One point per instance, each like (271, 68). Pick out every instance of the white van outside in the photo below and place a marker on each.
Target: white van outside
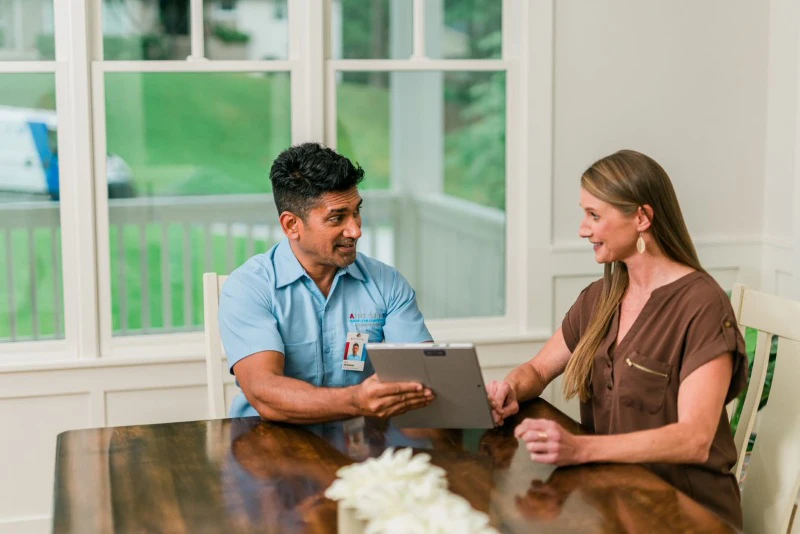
(29, 156)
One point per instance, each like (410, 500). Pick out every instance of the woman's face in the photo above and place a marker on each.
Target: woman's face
(612, 234)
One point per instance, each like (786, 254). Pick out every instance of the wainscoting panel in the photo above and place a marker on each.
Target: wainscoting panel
(725, 276)
(566, 289)
(783, 284)
(27, 450)
(156, 405)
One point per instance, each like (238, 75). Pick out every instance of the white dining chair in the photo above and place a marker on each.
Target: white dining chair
(215, 362)
(772, 478)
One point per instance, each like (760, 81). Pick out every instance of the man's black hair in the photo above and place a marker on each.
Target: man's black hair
(303, 173)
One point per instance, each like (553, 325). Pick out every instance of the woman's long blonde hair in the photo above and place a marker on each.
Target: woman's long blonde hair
(627, 180)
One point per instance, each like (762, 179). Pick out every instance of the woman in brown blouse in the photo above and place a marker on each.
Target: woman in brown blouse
(652, 349)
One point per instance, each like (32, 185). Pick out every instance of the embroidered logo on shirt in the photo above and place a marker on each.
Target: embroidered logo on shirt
(367, 318)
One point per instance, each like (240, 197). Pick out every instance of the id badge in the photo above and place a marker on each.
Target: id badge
(354, 351)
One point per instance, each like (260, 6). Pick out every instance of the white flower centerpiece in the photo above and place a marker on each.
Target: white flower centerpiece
(400, 493)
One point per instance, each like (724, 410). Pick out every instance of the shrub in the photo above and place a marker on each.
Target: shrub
(230, 35)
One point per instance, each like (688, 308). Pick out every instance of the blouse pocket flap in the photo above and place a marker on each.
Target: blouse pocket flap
(643, 383)
(648, 365)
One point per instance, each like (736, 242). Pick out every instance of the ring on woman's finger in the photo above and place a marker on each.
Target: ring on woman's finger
(541, 436)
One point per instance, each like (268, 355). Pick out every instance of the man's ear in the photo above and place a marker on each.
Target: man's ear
(291, 224)
(644, 218)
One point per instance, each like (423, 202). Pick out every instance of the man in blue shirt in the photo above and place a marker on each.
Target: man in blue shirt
(288, 317)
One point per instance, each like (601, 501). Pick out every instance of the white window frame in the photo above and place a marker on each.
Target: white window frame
(80, 72)
(76, 215)
(512, 325)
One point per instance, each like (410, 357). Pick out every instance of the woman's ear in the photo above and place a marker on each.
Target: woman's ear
(644, 218)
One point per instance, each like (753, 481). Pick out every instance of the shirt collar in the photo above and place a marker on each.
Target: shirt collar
(289, 270)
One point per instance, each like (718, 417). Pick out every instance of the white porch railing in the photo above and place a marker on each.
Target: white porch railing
(30, 273)
(452, 252)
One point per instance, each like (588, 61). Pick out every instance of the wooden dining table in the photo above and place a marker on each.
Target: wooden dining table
(249, 475)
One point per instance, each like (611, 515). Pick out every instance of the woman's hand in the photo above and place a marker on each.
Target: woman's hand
(549, 443)
(503, 399)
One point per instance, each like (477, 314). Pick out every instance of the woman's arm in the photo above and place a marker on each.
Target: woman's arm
(700, 402)
(529, 379)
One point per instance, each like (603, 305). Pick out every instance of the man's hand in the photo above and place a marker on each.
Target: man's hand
(387, 399)
(503, 399)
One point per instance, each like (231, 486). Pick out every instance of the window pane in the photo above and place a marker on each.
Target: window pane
(436, 140)
(26, 30)
(31, 296)
(146, 29)
(160, 29)
(247, 29)
(379, 29)
(383, 29)
(470, 29)
(188, 164)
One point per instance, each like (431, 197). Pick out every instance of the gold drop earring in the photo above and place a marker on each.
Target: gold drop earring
(640, 244)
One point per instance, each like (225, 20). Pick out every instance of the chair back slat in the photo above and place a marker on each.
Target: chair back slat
(212, 286)
(768, 313)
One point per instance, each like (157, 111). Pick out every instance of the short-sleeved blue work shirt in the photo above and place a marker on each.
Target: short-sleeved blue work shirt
(270, 303)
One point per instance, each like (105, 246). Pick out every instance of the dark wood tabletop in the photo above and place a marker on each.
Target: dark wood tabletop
(248, 475)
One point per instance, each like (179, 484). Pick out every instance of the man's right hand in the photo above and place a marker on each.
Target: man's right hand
(387, 399)
(503, 399)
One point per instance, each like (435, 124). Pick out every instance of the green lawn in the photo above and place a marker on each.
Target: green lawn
(180, 141)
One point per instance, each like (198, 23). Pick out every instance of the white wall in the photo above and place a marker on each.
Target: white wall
(683, 82)
(780, 262)
(686, 82)
(781, 118)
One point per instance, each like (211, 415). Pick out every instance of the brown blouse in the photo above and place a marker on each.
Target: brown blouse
(683, 325)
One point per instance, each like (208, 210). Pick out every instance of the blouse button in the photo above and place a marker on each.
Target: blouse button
(610, 385)
(727, 324)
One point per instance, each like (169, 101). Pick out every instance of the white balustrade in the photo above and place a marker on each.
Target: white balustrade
(451, 250)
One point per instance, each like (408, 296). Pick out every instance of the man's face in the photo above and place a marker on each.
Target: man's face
(329, 233)
(355, 348)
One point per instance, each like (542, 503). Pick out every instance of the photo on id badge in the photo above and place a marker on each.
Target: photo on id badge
(354, 351)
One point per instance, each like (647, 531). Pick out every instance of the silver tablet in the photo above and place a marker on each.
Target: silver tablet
(450, 370)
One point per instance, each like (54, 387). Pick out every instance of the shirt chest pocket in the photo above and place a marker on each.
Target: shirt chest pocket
(368, 323)
(643, 383)
(302, 361)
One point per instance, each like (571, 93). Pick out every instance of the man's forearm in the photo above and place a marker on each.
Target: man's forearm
(280, 398)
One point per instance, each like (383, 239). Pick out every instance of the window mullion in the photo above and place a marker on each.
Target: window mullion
(196, 29)
(307, 22)
(73, 104)
(419, 51)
